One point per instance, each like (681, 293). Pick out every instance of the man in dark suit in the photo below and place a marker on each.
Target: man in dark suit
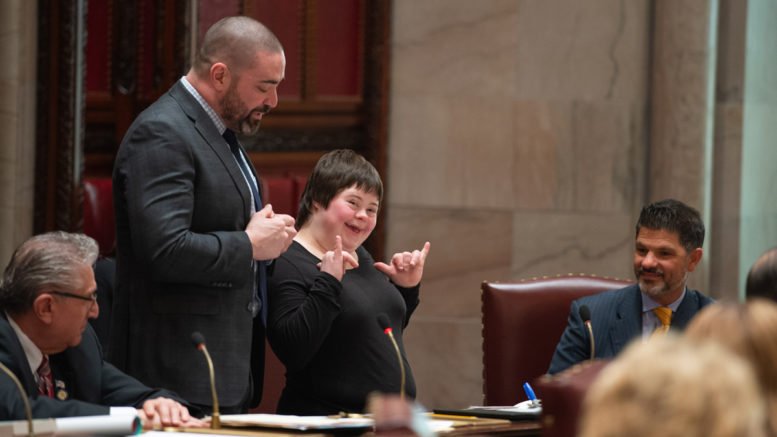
(192, 235)
(48, 292)
(668, 247)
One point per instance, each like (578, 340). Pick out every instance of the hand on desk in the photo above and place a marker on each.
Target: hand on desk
(160, 412)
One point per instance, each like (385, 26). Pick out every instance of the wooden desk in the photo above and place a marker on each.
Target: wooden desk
(463, 427)
(507, 428)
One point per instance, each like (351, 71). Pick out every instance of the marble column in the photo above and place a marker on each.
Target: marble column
(682, 108)
(18, 49)
(724, 226)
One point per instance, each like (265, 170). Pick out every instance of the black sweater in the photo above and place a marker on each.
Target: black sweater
(326, 333)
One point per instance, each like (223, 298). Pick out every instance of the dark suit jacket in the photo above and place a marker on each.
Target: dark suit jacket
(184, 262)
(90, 384)
(616, 319)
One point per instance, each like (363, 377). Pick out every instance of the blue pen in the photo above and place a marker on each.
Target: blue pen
(530, 394)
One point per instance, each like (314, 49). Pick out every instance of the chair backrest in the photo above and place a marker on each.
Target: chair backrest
(274, 381)
(99, 221)
(522, 323)
(562, 397)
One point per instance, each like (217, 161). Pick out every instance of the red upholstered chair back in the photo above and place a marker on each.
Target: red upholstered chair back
(562, 397)
(99, 221)
(283, 192)
(522, 323)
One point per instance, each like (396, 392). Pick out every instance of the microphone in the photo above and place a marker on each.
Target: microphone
(383, 321)
(199, 343)
(27, 409)
(585, 314)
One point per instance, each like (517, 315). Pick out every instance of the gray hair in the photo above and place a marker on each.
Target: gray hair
(45, 261)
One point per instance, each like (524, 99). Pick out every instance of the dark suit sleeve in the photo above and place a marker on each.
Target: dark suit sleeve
(159, 175)
(105, 385)
(120, 389)
(573, 346)
(12, 406)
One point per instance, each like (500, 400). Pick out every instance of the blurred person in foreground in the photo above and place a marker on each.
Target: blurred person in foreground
(750, 330)
(326, 294)
(47, 295)
(762, 277)
(667, 248)
(672, 387)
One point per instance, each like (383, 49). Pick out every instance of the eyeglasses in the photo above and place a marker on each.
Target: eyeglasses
(91, 298)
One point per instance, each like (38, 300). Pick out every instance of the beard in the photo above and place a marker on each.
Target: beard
(658, 286)
(233, 108)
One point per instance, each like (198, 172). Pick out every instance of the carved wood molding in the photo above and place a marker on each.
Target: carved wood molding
(58, 163)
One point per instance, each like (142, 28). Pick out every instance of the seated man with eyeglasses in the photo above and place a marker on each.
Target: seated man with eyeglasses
(47, 295)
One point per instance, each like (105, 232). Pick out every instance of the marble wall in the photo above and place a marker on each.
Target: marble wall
(518, 147)
(18, 49)
(759, 154)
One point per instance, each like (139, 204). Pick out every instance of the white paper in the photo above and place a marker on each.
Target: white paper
(294, 422)
(99, 425)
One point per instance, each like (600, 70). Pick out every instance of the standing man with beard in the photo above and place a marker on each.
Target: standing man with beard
(193, 237)
(668, 246)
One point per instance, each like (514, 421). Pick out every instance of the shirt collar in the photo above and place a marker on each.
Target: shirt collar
(31, 351)
(648, 304)
(208, 109)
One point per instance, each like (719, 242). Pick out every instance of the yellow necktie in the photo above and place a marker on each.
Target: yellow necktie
(664, 314)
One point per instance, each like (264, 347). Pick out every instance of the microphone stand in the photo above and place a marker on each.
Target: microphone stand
(390, 334)
(215, 417)
(27, 409)
(591, 339)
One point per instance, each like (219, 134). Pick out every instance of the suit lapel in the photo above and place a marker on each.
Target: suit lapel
(63, 376)
(207, 130)
(22, 367)
(687, 309)
(628, 319)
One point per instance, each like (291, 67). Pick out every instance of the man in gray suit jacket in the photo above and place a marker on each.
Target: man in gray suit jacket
(192, 235)
(669, 238)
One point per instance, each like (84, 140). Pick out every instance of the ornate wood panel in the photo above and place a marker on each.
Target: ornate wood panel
(58, 159)
(334, 95)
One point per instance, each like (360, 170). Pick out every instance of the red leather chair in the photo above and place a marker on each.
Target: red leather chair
(279, 191)
(99, 219)
(562, 397)
(274, 381)
(522, 323)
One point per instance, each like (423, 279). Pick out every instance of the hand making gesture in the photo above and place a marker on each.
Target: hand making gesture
(406, 268)
(336, 262)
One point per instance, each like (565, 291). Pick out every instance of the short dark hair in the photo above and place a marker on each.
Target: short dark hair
(234, 41)
(762, 277)
(674, 216)
(333, 173)
(44, 261)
